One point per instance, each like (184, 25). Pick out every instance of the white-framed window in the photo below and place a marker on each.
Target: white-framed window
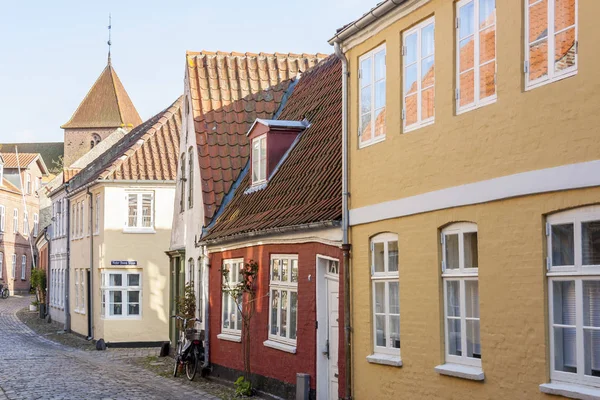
(574, 295)
(16, 220)
(121, 294)
(28, 182)
(386, 294)
(25, 223)
(550, 41)
(190, 178)
(182, 182)
(77, 289)
(1, 174)
(82, 219)
(475, 54)
(283, 296)
(97, 216)
(460, 269)
(190, 274)
(14, 266)
(36, 225)
(372, 96)
(38, 183)
(65, 210)
(418, 49)
(259, 159)
(73, 220)
(140, 211)
(1, 265)
(2, 218)
(231, 317)
(23, 267)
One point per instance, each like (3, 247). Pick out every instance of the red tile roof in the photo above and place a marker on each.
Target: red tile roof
(228, 92)
(148, 152)
(10, 159)
(107, 105)
(307, 187)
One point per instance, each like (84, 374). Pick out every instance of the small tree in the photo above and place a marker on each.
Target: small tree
(186, 304)
(38, 281)
(243, 294)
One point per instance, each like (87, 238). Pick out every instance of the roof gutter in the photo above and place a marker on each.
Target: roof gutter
(376, 13)
(122, 181)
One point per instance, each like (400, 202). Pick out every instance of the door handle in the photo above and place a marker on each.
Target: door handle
(335, 375)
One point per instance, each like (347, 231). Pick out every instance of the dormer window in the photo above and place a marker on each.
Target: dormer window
(259, 159)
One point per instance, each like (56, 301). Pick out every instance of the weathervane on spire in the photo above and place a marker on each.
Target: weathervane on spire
(109, 42)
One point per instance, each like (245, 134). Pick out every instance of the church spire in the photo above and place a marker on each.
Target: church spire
(109, 42)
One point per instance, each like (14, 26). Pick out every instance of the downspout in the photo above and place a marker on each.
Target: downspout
(206, 283)
(48, 269)
(345, 218)
(68, 267)
(91, 280)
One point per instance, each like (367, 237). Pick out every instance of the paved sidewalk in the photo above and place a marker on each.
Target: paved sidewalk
(33, 367)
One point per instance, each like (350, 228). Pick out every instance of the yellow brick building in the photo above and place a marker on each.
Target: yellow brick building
(474, 201)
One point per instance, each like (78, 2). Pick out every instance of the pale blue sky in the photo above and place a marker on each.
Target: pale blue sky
(51, 52)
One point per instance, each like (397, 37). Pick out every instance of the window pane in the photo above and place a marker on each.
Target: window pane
(411, 49)
(487, 13)
(470, 248)
(237, 313)
(116, 307)
(487, 45)
(427, 41)
(591, 303)
(410, 79)
(393, 256)
(275, 272)
(452, 251)
(263, 158)
(283, 325)
(564, 50)
(380, 330)
(467, 23)
(473, 339)
(274, 310)
(380, 65)
(255, 161)
(466, 54)
(294, 270)
(380, 297)
(365, 100)
(116, 280)
(453, 298)
(411, 109)
(132, 221)
(427, 72)
(365, 127)
(379, 95)
(293, 314)
(134, 303)
(538, 21)
(563, 245)
(395, 331)
(564, 302)
(379, 257)
(565, 352)
(590, 242)
(394, 305)
(133, 280)
(225, 310)
(564, 14)
(366, 72)
(133, 296)
(538, 60)
(284, 270)
(472, 298)
(454, 338)
(147, 210)
(591, 351)
(467, 89)
(487, 80)
(380, 122)
(427, 103)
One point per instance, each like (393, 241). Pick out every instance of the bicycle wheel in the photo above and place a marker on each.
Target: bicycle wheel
(192, 365)
(177, 359)
(5, 293)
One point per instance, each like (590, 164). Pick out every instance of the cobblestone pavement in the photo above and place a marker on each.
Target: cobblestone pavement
(32, 367)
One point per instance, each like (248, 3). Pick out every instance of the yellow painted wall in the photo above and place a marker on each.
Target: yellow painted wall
(513, 301)
(551, 125)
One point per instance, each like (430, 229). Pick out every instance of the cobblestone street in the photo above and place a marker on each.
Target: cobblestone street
(32, 367)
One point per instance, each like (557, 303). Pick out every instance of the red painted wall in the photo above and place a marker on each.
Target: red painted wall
(266, 361)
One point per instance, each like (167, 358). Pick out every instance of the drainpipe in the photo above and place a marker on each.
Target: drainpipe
(206, 283)
(48, 268)
(345, 217)
(67, 289)
(91, 280)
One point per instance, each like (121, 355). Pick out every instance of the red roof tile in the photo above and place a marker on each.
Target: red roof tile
(10, 159)
(307, 186)
(228, 92)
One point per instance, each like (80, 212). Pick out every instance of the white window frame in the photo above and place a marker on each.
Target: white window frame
(36, 225)
(82, 219)
(281, 286)
(1, 174)
(28, 182)
(97, 216)
(420, 121)
(25, 223)
(1, 264)
(371, 55)
(124, 289)
(23, 267)
(461, 275)
(262, 158)
(76, 308)
(190, 196)
(552, 76)
(14, 267)
(385, 277)
(2, 218)
(16, 220)
(138, 228)
(477, 101)
(233, 266)
(577, 273)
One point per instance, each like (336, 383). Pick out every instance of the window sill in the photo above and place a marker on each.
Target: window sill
(138, 230)
(571, 391)
(418, 126)
(461, 371)
(280, 346)
(229, 337)
(385, 359)
(362, 145)
(482, 103)
(551, 80)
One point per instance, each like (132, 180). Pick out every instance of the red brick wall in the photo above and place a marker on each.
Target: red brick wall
(266, 361)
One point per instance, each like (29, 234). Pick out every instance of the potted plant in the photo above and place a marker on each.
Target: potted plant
(34, 305)
(38, 281)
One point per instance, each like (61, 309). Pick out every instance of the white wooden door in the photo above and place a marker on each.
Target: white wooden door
(333, 335)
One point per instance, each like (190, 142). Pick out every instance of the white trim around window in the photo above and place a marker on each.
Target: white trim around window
(231, 317)
(259, 160)
(1, 265)
(283, 300)
(14, 267)
(386, 296)
(372, 101)
(545, 40)
(139, 216)
(97, 215)
(16, 220)
(36, 225)
(23, 267)
(2, 218)
(573, 264)
(121, 294)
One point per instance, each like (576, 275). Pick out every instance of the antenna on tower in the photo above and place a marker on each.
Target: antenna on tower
(109, 42)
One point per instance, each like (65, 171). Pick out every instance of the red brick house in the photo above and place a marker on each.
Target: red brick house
(284, 212)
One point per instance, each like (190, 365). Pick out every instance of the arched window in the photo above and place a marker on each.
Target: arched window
(460, 270)
(95, 140)
(386, 299)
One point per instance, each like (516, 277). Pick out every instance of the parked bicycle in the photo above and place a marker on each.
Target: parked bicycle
(190, 352)
(4, 291)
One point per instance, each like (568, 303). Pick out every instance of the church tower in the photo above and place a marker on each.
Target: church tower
(106, 107)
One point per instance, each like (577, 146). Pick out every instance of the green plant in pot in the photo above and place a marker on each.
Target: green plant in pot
(38, 282)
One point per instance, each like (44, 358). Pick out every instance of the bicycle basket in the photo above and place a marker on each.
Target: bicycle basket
(192, 334)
